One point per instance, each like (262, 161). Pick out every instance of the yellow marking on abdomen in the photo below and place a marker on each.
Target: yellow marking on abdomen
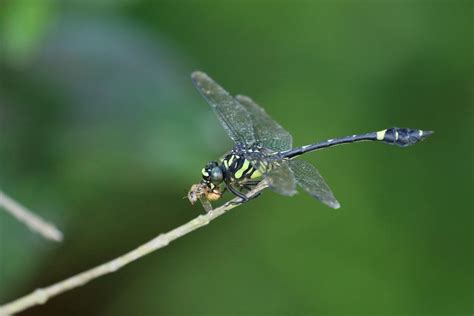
(381, 134)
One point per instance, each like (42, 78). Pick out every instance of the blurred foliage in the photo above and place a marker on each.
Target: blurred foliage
(24, 22)
(102, 133)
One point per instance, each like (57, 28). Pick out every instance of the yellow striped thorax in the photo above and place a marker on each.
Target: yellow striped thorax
(239, 168)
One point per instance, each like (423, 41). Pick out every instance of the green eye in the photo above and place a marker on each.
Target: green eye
(216, 175)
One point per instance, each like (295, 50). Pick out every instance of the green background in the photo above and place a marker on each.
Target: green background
(102, 133)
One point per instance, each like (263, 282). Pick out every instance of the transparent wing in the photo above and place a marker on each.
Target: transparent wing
(267, 130)
(206, 204)
(233, 116)
(308, 177)
(281, 179)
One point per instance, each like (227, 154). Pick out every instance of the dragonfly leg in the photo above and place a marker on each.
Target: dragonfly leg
(253, 182)
(243, 198)
(248, 187)
(237, 193)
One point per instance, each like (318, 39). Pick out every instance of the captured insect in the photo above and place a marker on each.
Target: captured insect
(263, 150)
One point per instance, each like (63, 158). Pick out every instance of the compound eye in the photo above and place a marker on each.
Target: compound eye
(216, 175)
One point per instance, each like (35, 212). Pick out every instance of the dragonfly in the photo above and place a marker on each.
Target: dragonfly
(263, 150)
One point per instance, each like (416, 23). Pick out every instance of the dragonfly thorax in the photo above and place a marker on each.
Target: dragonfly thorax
(238, 168)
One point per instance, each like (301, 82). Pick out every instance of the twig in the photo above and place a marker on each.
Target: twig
(34, 222)
(40, 296)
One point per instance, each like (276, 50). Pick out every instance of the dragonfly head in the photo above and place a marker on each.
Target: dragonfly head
(212, 174)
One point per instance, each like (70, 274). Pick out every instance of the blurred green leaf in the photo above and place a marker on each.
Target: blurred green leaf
(23, 28)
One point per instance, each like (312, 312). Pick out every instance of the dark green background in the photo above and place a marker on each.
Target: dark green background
(102, 133)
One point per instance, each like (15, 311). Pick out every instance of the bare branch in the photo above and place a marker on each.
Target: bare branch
(42, 295)
(34, 222)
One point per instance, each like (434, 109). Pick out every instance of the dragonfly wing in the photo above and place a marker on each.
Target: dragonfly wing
(233, 116)
(271, 134)
(281, 179)
(206, 204)
(309, 178)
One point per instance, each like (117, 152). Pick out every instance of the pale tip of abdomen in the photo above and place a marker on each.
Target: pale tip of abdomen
(425, 134)
(334, 204)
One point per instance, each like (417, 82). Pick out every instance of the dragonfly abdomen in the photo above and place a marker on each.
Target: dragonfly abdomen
(402, 137)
